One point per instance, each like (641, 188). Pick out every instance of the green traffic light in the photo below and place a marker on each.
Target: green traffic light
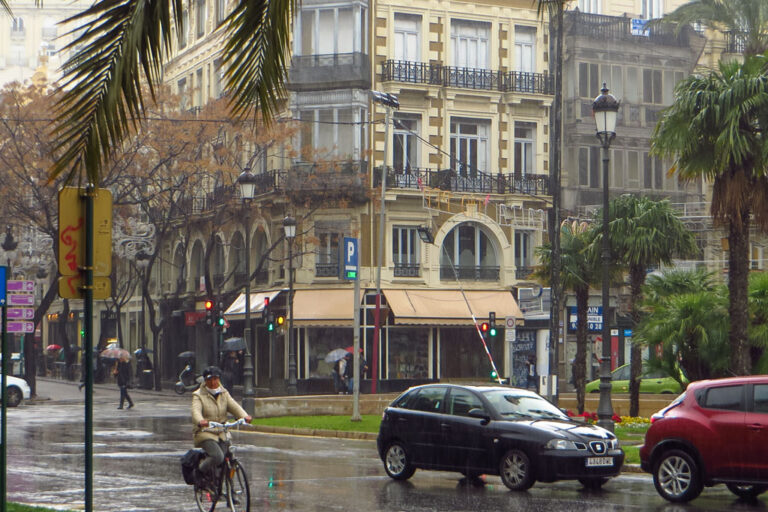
(271, 327)
(221, 321)
(493, 331)
(494, 375)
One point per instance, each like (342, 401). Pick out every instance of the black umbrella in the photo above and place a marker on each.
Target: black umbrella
(141, 351)
(186, 355)
(233, 345)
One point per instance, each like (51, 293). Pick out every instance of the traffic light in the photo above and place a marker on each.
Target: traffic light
(221, 321)
(492, 324)
(494, 375)
(280, 320)
(209, 312)
(266, 302)
(270, 322)
(484, 328)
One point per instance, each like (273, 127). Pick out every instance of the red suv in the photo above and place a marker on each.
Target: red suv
(716, 432)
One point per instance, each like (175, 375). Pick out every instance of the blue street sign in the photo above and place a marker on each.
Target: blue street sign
(3, 284)
(350, 258)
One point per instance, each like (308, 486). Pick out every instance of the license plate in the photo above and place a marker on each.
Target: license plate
(599, 461)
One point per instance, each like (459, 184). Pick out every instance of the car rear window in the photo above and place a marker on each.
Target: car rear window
(760, 395)
(730, 398)
(427, 399)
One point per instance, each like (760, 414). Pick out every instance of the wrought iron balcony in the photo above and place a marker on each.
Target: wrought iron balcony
(479, 182)
(326, 270)
(469, 272)
(336, 71)
(606, 28)
(407, 270)
(467, 78)
(347, 179)
(523, 272)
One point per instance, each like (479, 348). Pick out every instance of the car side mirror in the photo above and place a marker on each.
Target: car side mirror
(480, 414)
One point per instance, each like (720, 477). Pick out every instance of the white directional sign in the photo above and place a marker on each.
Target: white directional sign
(21, 286)
(18, 299)
(21, 313)
(25, 327)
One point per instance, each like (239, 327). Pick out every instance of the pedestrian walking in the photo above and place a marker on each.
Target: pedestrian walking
(123, 373)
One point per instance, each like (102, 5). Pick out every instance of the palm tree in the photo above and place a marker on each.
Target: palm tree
(715, 129)
(644, 233)
(125, 44)
(687, 319)
(578, 269)
(747, 19)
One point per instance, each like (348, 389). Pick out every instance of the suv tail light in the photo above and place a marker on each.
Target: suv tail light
(658, 415)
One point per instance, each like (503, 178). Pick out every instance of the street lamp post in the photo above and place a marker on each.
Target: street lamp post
(9, 246)
(289, 224)
(390, 102)
(605, 109)
(247, 183)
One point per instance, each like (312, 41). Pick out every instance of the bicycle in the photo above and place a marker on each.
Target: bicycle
(229, 481)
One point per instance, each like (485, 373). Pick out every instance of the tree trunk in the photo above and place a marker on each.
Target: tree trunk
(636, 280)
(738, 275)
(580, 361)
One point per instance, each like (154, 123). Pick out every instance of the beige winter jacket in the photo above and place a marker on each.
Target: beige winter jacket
(213, 408)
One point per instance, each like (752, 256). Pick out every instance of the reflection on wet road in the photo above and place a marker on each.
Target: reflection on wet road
(136, 460)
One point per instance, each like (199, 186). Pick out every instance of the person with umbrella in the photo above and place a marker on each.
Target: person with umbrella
(123, 372)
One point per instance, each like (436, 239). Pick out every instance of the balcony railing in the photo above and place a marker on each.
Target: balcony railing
(336, 70)
(470, 272)
(348, 178)
(479, 182)
(326, 270)
(467, 78)
(598, 26)
(523, 272)
(407, 269)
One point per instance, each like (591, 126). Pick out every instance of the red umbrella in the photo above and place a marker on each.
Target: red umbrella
(52, 348)
(352, 349)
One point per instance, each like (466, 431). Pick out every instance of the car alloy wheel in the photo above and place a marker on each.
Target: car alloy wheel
(516, 471)
(396, 462)
(676, 477)
(14, 396)
(747, 491)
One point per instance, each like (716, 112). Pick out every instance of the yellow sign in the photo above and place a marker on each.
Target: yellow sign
(71, 287)
(72, 232)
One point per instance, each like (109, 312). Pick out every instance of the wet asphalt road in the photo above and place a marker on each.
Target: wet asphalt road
(136, 461)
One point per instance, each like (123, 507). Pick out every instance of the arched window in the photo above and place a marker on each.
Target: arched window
(179, 269)
(468, 253)
(197, 266)
(218, 262)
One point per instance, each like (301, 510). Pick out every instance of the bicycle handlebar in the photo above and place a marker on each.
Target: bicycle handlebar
(212, 425)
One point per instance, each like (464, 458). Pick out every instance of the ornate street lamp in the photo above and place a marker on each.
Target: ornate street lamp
(605, 109)
(289, 224)
(247, 183)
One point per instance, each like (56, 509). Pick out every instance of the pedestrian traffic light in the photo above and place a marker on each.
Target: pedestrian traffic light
(266, 302)
(492, 324)
(270, 321)
(209, 312)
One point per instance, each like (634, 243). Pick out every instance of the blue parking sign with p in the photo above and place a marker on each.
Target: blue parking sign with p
(350, 258)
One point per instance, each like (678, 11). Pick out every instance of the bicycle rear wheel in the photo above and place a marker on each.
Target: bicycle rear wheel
(205, 499)
(238, 493)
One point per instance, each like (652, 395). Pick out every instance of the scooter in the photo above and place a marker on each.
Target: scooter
(187, 381)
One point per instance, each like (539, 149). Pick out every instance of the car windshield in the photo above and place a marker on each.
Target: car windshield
(517, 404)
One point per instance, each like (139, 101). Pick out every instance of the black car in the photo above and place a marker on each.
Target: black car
(503, 431)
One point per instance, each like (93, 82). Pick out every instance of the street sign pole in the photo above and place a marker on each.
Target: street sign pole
(4, 366)
(90, 193)
(351, 271)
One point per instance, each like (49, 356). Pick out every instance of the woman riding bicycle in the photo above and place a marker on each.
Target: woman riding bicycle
(211, 402)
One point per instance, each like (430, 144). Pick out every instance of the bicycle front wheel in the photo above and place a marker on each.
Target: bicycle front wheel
(238, 494)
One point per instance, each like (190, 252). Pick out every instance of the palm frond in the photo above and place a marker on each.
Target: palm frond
(124, 43)
(255, 55)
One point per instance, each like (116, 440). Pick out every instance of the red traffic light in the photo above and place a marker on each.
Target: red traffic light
(484, 327)
(266, 301)
(208, 305)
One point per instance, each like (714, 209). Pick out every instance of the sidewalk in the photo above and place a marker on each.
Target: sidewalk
(63, 391)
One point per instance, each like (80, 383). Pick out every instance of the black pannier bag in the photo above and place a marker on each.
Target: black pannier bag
(189, 462)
